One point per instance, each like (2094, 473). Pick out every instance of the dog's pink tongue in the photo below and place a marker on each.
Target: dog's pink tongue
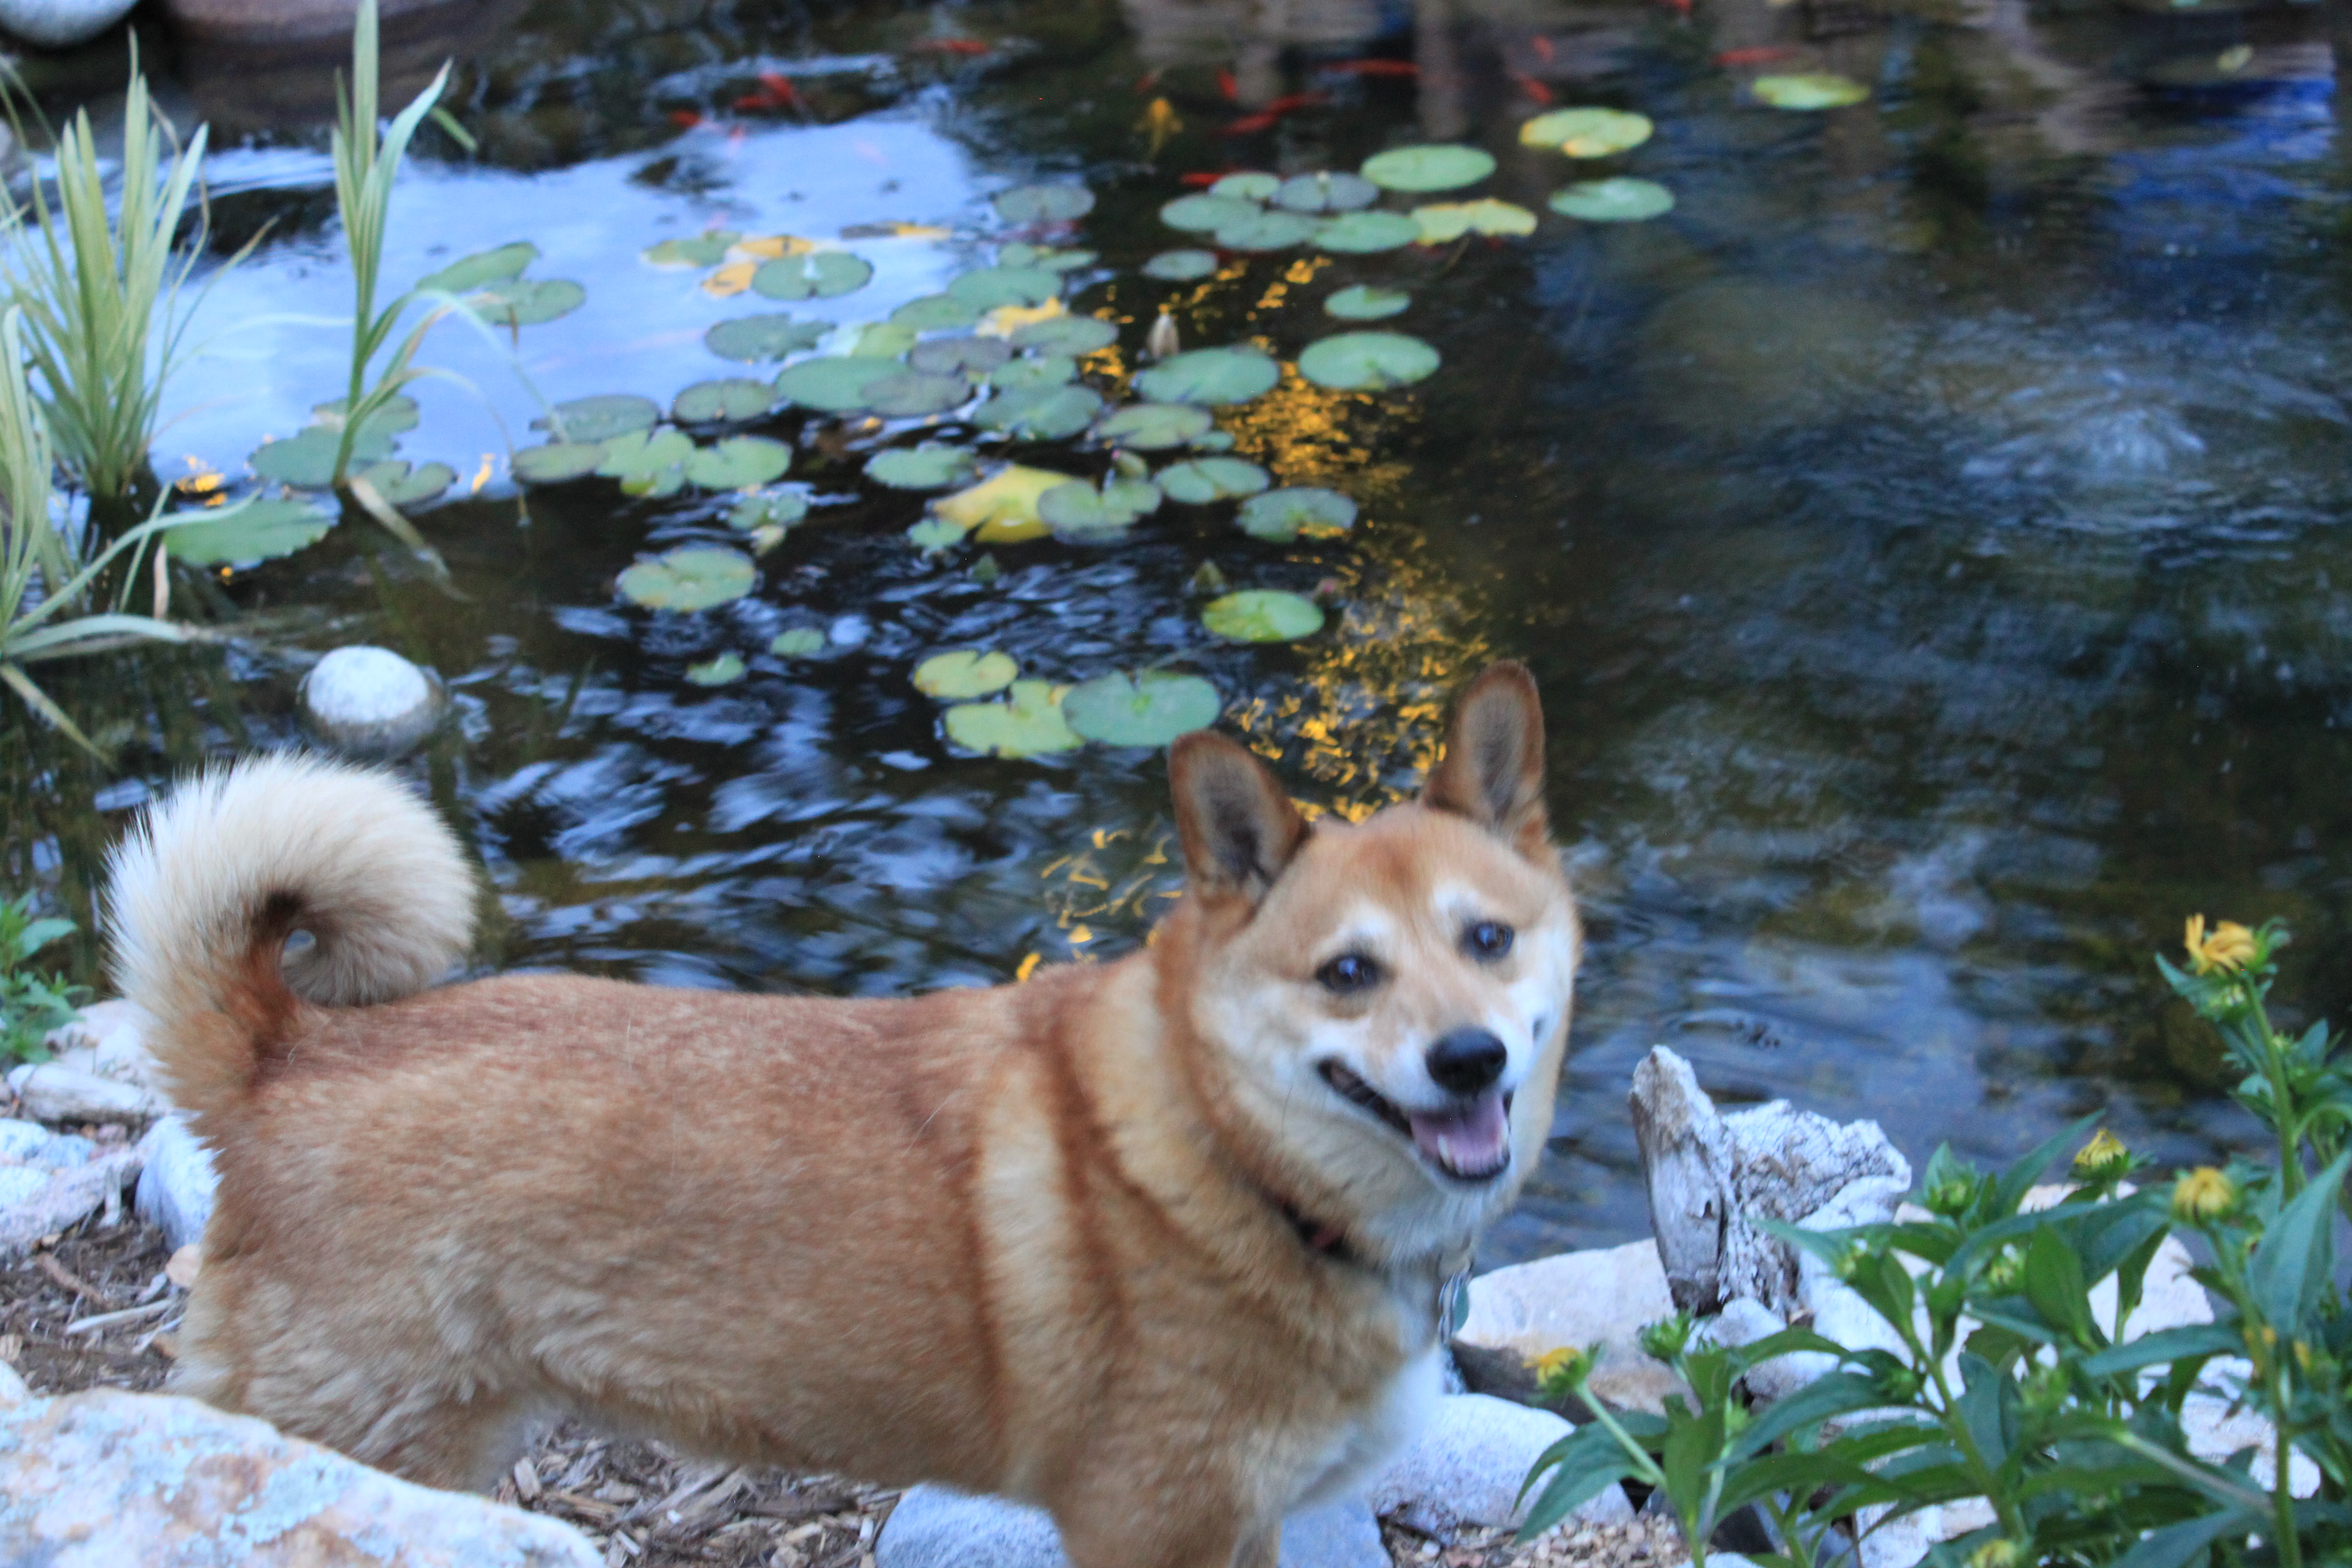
(1472, 1141)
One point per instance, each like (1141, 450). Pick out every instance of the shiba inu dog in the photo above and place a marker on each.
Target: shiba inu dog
(1156, 1244)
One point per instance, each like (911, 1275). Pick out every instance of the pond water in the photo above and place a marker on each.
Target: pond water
(1925, 534)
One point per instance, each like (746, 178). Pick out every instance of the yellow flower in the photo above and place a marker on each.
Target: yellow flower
(2229, 948)
(2104, 1155)
(2203, 1194)
(1559, 1372)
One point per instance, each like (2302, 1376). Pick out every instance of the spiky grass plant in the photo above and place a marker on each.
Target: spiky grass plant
(41, 581)
(367, 161)
(101, 295)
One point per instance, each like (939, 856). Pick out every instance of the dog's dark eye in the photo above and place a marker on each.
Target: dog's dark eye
(1348, 974)
(1488, 941)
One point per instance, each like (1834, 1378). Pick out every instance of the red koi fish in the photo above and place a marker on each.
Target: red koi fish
(1755, 57)
(950, 46)
(1227, 86)
(1531, 85)
(685, 119)
(775, 93)
(1369, 67)
(1201, 178)
(1542, 46)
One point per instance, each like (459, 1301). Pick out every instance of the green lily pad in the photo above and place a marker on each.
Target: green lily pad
(1428, 168)
(925, 468)
(935, 534)
(882, 340)
(1028, 723)
(1044, 370)
(837, 383)
(1587, 132)
(1443, 221)
(1043, 204)
(964, 674)
(693, 577)
(1280, 516)
(502, 265)
(775, 335)
(1262, 614)
(1247, 188)
(815, 275)
(601, 417)
(1072, 335)
(732, 397)
(1181, 266)
(1325, 194)
(1820, 90)
(1210, 376)
(528, 301)
(1367, 361)
(1045, 256)
(1200, 480)
(1214, 441)
(1200, 215)
(558, 461)
(798, 643)
(1264, 231)
(910, 394)
(703, 250)
(257, 530)
(1040, 412)
(395, 415)
(777, 508)
(991, 287)
(307, 460)
(1621, 200)
(1079, 511)
(647, 462)
(738, 462)
(1365, 302)
(402, 486)
(1155, 426)
(951, 356)
(936, 314)
(1361, 234)
(724, 670)
(1149, 709)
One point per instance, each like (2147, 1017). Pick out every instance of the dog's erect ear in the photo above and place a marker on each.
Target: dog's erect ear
(1494, 767)
(1238, 827)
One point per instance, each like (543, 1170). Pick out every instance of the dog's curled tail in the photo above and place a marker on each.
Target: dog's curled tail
(205, 891)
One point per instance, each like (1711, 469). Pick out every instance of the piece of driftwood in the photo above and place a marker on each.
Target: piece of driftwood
(1712, 1177)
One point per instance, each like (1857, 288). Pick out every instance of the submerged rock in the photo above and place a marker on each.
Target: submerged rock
(60, 23)
(370, 702)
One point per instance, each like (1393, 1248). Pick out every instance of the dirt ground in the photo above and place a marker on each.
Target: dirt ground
(93, 1307)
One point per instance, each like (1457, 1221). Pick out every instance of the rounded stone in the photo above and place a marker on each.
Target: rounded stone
(370, 702)
(60, 23)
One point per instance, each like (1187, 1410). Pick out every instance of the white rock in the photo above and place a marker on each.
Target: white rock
(64, 1195)
(1467, 1466)
(53, 1091)
(369, 700)
(21, 1140)
(13, 1391)
(60, 23)
(21, 1184)
(175, 1188)
(933, 1527)
(2215, 1434)
(1602, 1296)
(105, 1478)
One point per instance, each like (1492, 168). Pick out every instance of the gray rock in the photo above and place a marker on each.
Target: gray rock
(1712, 1177)
(370, 702)
(1603, 1297)
(175, 1188)
(60, 23)
(104, 1479)
(65, 1194)
(54, 1091)
(935, 1528)
(21, 1140)
(1467, 1465)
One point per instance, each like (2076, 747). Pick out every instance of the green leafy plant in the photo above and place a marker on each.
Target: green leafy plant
(32, 1005)
(101, 295)
(42, 580)
(1999, 1383)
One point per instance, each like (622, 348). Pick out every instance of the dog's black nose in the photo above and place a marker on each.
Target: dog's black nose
(1467, 1060)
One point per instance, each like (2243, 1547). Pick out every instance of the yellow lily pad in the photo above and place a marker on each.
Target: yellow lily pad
(965, 673)
(1002, 508)
(1442, 221)
(1588, 133)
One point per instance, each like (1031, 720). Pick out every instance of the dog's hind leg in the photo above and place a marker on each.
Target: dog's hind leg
(458, 1443)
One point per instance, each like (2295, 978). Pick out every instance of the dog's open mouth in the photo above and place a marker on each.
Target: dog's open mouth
(1470, 1141)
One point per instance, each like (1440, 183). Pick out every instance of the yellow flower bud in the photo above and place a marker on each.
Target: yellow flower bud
(1997, 1554)
(1562, 1370)
(2103, 1156)
(2229, 948)
(2203, 1194)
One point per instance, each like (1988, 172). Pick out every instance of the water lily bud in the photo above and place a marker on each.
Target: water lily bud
(1664, 1339)
(1562, 1371)
(2203, 1195)
(2104, 1158)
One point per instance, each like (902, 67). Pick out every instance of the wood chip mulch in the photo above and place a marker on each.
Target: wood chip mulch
(91, 1307)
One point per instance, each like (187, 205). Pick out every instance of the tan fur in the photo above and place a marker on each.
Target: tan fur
(1061, 1241)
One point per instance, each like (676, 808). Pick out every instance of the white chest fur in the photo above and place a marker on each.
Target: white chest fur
(1359, 1450)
